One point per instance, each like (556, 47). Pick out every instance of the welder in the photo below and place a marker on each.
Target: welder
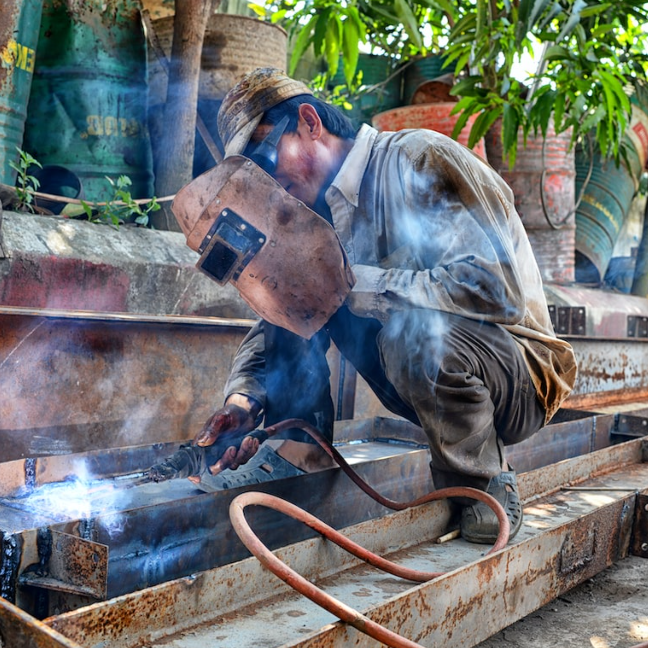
(444, 316)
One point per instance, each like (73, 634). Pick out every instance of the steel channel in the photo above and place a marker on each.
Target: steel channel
(459, 609)
(20, 630)
(172, 530)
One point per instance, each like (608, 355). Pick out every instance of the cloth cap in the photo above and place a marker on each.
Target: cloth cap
(243, 106)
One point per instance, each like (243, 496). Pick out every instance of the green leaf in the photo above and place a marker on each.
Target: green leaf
(301, 44)
(460, 124)
(354, 14)
(259, 10)
(573, 19)
(510, 126)
(594, 10)
(350, 50)
(542, 110)
(444, 6)
(556, 53)
(332, 44)
(466, 87)
(408, 20)
(278, 16)
(87, 209)
(482, 125)
(320, 31)
(617, 88)
(593, 119)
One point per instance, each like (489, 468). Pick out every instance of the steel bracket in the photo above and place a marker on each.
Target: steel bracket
(69, 564)
(637, 326)
(639, 542)
(568, 320)
(629, 427)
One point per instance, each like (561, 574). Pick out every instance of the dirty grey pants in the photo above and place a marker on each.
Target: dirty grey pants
(463, 381)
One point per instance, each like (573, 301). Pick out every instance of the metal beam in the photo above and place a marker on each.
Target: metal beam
(576, 524)
(20, 630)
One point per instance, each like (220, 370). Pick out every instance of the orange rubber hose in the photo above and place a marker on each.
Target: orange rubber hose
(308, 589)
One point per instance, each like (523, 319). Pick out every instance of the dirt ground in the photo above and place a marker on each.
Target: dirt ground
(607, 611)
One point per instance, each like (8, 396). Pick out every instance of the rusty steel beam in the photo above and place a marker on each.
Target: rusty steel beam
(20, 630)
(69, 564)
(74, 382)
(171, 530)
(639, 545)
(578, 520)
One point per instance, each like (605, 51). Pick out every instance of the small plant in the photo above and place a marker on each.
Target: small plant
(26, 184)
(121, 206)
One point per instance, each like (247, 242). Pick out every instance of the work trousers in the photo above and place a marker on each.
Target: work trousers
(463, 381)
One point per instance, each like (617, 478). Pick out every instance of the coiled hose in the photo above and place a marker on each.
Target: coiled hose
(308, 589)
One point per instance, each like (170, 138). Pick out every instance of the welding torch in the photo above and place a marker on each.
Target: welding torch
(192, 460)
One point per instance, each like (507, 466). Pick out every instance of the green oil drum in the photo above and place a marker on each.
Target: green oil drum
(19, 25)
(87, 110)
(381, 83)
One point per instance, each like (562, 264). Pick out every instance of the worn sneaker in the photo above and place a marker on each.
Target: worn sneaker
(479, 522)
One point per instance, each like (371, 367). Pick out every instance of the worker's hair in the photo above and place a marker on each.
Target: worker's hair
(333, 119)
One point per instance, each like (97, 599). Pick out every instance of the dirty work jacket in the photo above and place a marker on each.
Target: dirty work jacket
(426, 223)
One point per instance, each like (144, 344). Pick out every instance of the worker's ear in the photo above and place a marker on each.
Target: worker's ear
(311, 121)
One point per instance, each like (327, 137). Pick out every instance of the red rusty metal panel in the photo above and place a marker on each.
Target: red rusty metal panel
(20, 630)
(76, 384)
(471, 604)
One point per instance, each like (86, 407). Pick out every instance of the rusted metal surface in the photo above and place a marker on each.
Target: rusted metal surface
(69, 564)
(76, 384)
(20, 630)
(158, 532)
(610, 372)
(640, 529)
(567, 538)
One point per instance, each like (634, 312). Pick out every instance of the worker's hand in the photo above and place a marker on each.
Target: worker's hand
(238, 416)
(228, 419)
(233, 458)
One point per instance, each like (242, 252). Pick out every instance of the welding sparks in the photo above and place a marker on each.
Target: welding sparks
(82, 497)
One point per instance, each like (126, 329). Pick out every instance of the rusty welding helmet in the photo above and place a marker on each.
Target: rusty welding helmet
(285, 260)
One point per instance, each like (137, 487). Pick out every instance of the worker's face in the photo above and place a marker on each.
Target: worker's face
(301, 168)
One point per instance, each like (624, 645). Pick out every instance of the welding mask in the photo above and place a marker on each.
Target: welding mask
(285, 260)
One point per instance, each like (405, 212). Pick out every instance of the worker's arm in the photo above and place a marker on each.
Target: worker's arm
(245, 396)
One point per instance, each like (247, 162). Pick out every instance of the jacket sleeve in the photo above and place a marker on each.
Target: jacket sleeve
(248, 372)
(443, 226)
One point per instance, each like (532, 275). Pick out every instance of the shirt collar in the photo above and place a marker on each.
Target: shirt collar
(349, 177)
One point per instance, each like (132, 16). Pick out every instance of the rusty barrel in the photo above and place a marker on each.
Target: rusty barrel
(433, 116)
(19, 25)
(87, 110)
(542, 181)
(420, 70)
(233, 46)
